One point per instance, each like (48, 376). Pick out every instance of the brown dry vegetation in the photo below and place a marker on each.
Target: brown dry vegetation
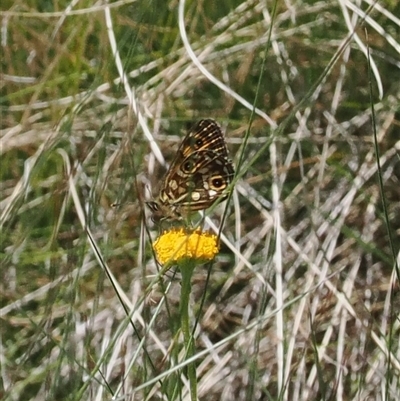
(302, 302)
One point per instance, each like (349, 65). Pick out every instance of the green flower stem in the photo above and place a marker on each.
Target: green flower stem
(187, 268)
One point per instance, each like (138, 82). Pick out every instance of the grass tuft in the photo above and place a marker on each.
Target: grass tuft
(302, 301)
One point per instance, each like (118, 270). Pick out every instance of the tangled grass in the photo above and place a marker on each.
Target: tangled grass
(302, 301)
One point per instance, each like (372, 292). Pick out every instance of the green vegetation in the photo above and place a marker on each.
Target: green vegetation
(303, 300)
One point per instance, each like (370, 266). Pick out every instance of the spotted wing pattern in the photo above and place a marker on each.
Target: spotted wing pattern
(199, 174)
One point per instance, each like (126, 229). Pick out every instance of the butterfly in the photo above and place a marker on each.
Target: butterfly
(199, 174)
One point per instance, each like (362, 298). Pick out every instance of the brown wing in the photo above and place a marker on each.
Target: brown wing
(199, 173)
(205, 135)
(198, 182)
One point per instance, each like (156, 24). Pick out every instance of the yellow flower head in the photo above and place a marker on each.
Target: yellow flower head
(178, 244)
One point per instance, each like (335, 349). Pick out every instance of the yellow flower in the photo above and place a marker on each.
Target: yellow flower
(178, 244)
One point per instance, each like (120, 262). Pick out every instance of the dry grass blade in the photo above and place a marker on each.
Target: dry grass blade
(302, 301)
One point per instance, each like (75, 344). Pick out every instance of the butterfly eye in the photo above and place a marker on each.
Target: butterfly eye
(187, 167)
(199, 143)
(218, 182)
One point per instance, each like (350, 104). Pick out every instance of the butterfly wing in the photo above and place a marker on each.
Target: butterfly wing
(199, 173)
(205, 135)
(199, 181)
